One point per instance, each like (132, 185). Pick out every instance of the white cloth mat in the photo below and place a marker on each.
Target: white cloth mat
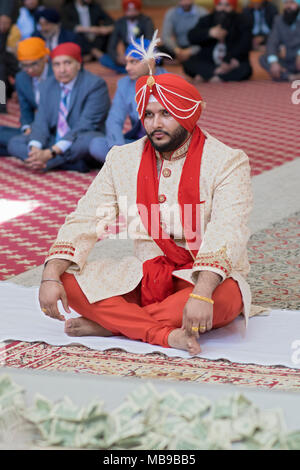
(268, 340)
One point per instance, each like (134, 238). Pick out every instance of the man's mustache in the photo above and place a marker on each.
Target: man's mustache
(159, 132)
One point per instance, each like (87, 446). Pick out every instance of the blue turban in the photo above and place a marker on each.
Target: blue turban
(50, 14)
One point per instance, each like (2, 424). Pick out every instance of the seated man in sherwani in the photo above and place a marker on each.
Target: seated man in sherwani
(73, 107)
(186, 197)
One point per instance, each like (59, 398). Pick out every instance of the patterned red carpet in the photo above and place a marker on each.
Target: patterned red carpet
(40, 356)
(256, 116)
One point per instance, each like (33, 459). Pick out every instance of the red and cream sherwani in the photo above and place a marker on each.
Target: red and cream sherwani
(112, 285)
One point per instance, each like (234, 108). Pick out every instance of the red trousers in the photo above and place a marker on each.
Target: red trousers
(123, 315)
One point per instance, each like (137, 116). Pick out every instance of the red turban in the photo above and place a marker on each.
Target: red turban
(233, 3)
(67, 48)
(174, 93)
(136, 3)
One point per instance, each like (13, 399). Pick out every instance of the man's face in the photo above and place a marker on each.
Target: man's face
(65, 68)
(224, 5)
(186, 4)
(290, 12)
(136, 68)
(256, 4)
(47, 29)
(34, 68)
(131, 12)
(5, 23)
(31, 4)
(165, 133)
(290, 5)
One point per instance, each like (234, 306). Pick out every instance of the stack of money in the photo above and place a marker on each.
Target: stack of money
(148, 420)
(15, 431)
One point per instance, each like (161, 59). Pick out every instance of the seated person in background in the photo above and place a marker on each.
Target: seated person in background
(285, 34)
(260, 14)
(9, 11)
(73, 107)
(33, 58)
(50, 29)
(91, 23)
(177, 23)
(124, 105)
(132, 25)
(225, 40)
(27, 21)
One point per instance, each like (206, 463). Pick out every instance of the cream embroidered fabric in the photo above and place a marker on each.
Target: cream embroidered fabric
(225, 188)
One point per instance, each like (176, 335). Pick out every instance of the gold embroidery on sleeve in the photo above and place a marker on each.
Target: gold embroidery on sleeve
(215, 259)
(60, 248)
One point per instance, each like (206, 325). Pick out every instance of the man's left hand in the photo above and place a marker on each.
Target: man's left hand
(183, 54)
(38, 158)
(226, 67)
(197, 314)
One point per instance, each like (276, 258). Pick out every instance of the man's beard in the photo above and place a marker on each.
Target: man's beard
(290, 16)
(177, 139)
(223, 18)
(187, 8)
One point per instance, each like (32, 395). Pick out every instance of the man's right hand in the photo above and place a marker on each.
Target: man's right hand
(217, 32)
(27, 131)
(276, 70)
(50, 293)
(53, 291)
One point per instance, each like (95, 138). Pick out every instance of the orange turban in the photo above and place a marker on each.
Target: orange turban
(174, 93)
(70, 49)
(136, 3)
(32, 49)
(233, 3)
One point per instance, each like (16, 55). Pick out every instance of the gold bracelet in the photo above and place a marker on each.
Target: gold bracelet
(52, 280)
(199, 297)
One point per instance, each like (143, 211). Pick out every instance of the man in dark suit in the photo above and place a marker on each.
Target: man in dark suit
(92, 24)
(225, 40)
(260, 14)
(49, 23)
(8, 14)
(73, 107)
(132, 24)
(33, 58)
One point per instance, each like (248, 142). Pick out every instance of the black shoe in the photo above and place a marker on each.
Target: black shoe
(3, 109)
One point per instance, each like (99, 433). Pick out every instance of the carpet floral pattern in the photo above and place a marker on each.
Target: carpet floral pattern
(79, 359)
(274, 254)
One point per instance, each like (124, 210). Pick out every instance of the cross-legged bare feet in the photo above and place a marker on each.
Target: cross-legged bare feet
(84, 327)
(180, 340)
